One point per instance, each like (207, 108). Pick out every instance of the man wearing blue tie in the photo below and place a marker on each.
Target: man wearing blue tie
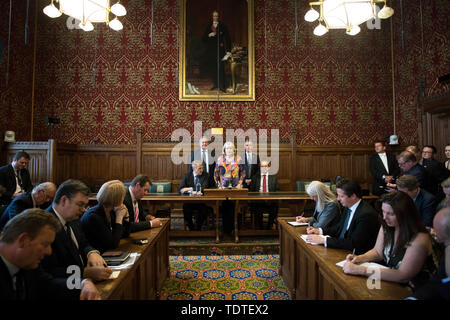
(358, 227)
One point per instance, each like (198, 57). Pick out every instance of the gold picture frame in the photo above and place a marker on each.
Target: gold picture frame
(217, 63)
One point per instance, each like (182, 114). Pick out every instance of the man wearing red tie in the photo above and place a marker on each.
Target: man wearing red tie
(264, 183)
(139, 219)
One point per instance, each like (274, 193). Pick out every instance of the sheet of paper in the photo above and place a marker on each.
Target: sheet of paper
(303, 236)
(296, 224)
(114, 275)
(365, 264)
(127, 263)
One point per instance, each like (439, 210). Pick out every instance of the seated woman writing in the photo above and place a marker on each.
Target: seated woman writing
(107, 222)
(326, 211)
(403, 244)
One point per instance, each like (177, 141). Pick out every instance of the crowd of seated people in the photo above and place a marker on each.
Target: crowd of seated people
(58, 229)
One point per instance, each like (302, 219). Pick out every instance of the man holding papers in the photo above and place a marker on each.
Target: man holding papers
(358, 226)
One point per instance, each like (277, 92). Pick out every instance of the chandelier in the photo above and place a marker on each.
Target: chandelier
(88, 12)
(345, 14)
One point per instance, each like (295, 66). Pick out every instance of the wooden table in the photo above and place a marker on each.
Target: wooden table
(310, 271)
(143, 280)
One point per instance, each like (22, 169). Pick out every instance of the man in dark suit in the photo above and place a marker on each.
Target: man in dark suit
(206, 157)
(15, 177)
(71, 246)
(264, 182)
(424, 201)
(407, 162)
(438, 288)
(358, 227)
(195, 183)
(436, 171)
(40, 197)
(218, 44)
(251, 164)
(26, 239)
(139, 219)
(384, 168)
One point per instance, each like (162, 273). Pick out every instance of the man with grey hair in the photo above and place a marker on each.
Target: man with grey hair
(25, 241)
(206, 156)
(438, 288)
(195, 182)
(424, 201)
(40, 197)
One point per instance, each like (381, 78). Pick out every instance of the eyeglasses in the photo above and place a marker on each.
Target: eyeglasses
(427, 152)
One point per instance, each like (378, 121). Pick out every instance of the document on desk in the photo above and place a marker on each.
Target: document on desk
(304, 236)
(114, 275)
(297, 224)
(365, 264)
(127, 263)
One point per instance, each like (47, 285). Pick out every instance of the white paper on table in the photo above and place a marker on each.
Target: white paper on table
(127, 263)
(365, 264)
(303, 236)
(296, 224)
(114, 275)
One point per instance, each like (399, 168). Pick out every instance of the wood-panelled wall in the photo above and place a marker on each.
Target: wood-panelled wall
(95, 164)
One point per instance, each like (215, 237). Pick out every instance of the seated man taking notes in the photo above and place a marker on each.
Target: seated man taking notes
(358, 226)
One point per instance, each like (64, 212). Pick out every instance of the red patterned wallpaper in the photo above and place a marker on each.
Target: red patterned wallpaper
(15, 96)
(334, 89)
(422, 54)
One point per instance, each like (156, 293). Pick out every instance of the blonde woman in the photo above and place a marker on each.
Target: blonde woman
(107, 222)
(230, 171)
(326, 211)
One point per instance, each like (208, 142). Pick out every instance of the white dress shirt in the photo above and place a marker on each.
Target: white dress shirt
(383, 158)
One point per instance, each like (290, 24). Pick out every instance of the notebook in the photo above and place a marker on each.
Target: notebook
(114, 258)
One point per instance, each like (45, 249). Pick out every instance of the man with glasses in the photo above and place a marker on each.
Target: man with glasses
(407, 162)
(71, 246)
(40, 197)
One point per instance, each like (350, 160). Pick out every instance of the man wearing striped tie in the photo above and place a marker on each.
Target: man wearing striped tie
(264, 183)
(140, 220)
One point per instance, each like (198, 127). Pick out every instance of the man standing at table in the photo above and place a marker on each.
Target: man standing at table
(251, 163)
(139, 219)
(264, 183)
(15, 177)
(358, 227)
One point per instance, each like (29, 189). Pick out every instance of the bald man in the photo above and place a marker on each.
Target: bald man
(438, 288)
(40, 197)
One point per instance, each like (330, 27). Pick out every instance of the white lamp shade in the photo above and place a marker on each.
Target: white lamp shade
(119, 10)
(83, 10)
(312, 15)
(87, 26)
(354, 31)
(339, 14)
(385, 13)
(116, 25)
(52, 11)
(320, 30)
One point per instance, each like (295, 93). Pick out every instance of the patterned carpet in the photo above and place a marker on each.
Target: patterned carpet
(218, 277)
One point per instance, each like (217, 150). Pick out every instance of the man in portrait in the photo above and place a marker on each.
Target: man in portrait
(218, 50)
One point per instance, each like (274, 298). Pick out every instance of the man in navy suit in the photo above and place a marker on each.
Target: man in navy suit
(139, 219)
(264, 182)
(195, 183)
(206, 157)
(40, 197)
(407, 162)
(15, 177)
(358, 227)
(424, 201)
(384, 168)
(251, 164)
(71, 246)
(25, 241)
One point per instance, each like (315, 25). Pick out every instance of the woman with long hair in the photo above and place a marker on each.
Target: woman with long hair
(326, 211)
(403, 244)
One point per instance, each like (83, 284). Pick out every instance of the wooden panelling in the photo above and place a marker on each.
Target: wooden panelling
(95, 164)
